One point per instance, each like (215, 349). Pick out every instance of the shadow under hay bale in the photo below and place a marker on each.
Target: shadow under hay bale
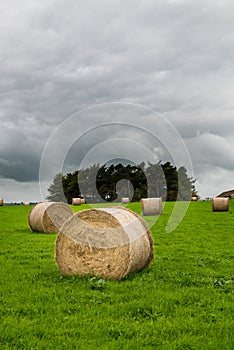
(49, 216)
(108, 242)
(220, 204)
(1, 202)
(152, 206)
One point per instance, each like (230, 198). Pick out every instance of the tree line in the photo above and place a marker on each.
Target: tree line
(110, 183)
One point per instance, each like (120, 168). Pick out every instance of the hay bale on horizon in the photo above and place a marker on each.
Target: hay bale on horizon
(152, 206)
(125, 200)
(76, 201)
(193, 199)
(108, 242)
(49, 216)
(82, 201)
(26, 203)
(1, 202)
(220, 204)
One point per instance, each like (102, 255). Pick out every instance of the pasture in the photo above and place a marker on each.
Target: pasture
(183, 300)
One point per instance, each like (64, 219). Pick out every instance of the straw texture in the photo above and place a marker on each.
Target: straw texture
(152, 206)
(125, 200)
(108, 242)
(49, 216)
(76, 201)
(220, 204)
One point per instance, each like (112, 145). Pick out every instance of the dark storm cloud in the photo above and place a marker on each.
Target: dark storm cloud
(58, 57)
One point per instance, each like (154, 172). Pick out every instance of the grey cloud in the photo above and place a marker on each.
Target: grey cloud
(211, 181)
(110, 141)
(24, 170)
(212, 154)
(21, 144)
(59, 57)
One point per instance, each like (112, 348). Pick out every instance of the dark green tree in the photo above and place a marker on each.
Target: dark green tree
(185, 189)
(55, 190)
(157, 185)
(70, 186)
(87, 183)
(109, 183)
(171, 176)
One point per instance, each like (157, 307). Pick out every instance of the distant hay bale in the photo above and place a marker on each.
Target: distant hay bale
(220, 204)
(26, 203)
(125, 200)
(152, 206)
(108, 242)
(1, 202)
(82, 201)
(49, 216)
(193, 199)
(76, 201)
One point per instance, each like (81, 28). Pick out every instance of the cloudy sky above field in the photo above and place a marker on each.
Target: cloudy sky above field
(60, 57)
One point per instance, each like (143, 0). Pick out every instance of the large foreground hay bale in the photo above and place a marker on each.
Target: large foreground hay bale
(220, 204)
(108, 242)
(1, 202)
(152, 206)
(125, 200)
(49, 216)
(76, 201)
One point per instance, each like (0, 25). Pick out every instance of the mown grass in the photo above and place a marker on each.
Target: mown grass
(184, 300)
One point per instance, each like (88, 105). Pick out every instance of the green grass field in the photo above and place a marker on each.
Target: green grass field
(184, 300)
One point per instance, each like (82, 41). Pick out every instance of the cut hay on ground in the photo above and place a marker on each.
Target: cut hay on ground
(152, 206)
(108, 242)
(76, 201)
(220, 204)
(49, 216)
(125, 200)
(1, 202)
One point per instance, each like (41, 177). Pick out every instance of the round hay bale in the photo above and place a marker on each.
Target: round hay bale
(108, 242)
(82, 201)
(193, 199)
(26, 203)
(152, 206)
(1, 202)
(220, 204)
(125, 200)
(76, 201)
(49, 216)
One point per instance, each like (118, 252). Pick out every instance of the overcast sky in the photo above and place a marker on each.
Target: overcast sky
(60, 57)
